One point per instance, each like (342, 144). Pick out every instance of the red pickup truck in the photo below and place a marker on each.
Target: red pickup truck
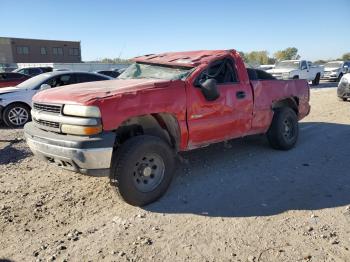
(131, 128)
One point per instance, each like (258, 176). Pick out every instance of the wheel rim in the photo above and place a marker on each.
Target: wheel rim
(288, 129)
(18, 116)
(148, 172)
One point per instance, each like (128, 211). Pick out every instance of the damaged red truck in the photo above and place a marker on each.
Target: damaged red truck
(131, 129)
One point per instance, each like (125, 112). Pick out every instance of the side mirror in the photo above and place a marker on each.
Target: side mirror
(210, 89)
(45, 86)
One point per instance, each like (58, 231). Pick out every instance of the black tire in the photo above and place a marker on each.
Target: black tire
(316, 81)
(339, 77)
(132, 159)
(278, 135)
(23, 116)
(344, 99)
(295, 77)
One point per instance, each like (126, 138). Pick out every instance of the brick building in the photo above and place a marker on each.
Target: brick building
(21, 50)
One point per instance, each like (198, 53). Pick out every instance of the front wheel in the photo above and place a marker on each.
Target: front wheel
(16, 115)
(142, 169)
(284, 130)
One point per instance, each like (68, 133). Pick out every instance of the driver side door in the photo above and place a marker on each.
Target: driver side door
(228, 116)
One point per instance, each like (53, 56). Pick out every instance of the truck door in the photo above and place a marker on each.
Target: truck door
(304, 70)
(229, 116)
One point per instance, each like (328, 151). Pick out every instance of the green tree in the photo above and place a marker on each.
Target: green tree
(258, 57)
(346, 56)
(287, 54)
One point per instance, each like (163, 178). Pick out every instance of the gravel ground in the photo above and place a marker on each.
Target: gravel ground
(235, 201)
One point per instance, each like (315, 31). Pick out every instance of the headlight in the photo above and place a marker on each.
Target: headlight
(79, 110)
(81, 130)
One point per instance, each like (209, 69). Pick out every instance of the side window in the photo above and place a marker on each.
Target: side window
(34, 71)
(222, 71)
(303, 65)
(61, 80)
(88, 78)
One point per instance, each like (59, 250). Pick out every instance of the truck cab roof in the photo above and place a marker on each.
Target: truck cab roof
(185, 59)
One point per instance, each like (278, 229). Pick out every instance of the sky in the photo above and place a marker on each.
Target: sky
(320, 29)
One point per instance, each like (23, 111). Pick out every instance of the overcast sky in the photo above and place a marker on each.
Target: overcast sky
(320, 29)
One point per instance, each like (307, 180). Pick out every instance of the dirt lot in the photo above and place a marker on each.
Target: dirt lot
(237, 201)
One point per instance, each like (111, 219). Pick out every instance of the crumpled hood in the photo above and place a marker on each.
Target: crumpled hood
(84, 93)
(7, 90)
(280, 70)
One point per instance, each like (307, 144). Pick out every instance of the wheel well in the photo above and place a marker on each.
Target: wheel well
(292, 102)
(163, 125)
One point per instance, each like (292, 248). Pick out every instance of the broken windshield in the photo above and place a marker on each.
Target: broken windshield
(140, 70)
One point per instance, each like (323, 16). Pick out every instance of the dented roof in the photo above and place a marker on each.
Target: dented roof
(186, 59)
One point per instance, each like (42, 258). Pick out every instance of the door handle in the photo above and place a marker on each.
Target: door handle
(240, 94)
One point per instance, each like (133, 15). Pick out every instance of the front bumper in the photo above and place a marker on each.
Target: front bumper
(87, 155)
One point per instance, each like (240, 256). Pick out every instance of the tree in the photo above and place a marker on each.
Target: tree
(287, 54)
(346, 56)
(258, 57)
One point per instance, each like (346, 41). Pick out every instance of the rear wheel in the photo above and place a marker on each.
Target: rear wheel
(316, 81)
(284, 130)
(16, 115)
(142, 169)
(295, 77)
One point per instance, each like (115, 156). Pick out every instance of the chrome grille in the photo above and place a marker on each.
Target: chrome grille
(56, 109)
(47, 123)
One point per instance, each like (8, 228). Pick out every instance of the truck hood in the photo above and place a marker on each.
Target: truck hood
(85, 93)
(280, 70)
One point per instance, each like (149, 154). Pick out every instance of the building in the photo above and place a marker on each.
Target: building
(20, 50)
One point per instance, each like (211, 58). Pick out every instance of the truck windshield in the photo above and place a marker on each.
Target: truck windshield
(333, 64)
(287, 64)
(139, 70)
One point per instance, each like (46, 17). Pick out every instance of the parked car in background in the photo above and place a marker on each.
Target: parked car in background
(343, 90)
(110, 73)
(16, 102)
(335, 70)
(131, 129)
(12, 79)
(31, 71)
(297, 69)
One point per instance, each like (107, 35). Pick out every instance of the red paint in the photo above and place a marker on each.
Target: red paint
(7, 81)
(200, 122)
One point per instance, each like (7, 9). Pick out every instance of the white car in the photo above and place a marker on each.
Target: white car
(334, 70)
(15, 102)
(297, 69)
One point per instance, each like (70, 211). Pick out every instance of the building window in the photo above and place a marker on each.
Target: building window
(22, 50)
(74, 51)
(43, 51)
(57, 51)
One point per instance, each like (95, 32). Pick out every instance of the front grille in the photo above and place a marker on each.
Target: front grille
(56, 109)
(47, 123)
